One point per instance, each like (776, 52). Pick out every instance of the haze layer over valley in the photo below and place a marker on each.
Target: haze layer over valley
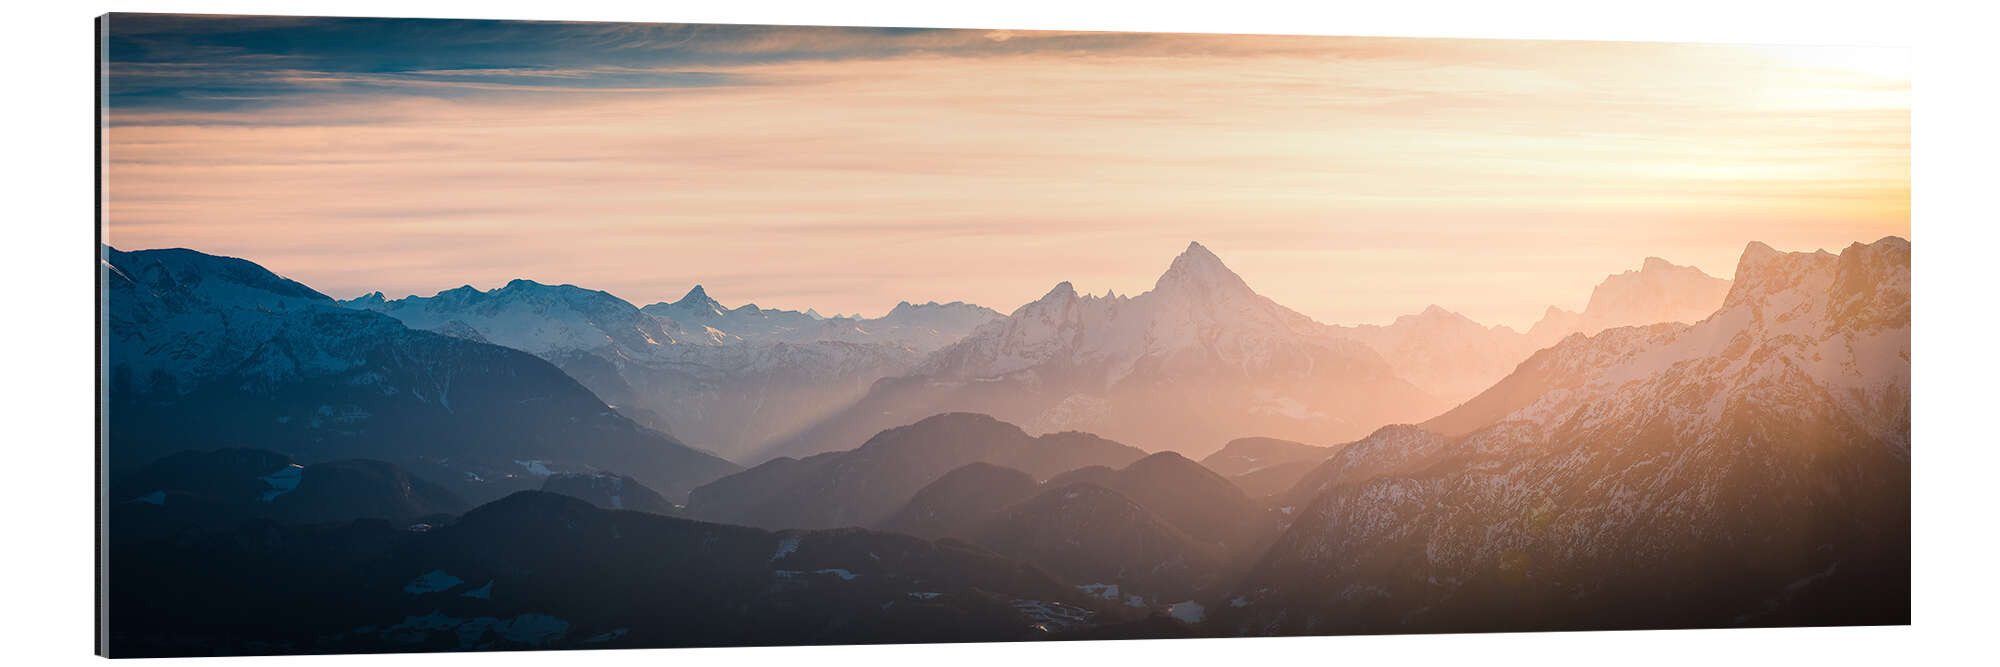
(1201, 348)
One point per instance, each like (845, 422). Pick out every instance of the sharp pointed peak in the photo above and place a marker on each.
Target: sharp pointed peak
(1197, 269)
(1197, 252)
(1657, 264)
(697, 295)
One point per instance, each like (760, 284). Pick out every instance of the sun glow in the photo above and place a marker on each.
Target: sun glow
(1311, 160)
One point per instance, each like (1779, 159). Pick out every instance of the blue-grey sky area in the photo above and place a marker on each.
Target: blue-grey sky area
(847, 169)
(221, 62)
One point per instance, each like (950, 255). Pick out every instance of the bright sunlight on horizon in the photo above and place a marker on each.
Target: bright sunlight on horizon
(847, 169)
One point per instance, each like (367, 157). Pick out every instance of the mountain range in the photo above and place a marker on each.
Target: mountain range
(1193, 362)
(1454, 358)
(730, 380)
(289, 473)
(207, 352)
(1751, 468)
(1202, 357)
(756, 383)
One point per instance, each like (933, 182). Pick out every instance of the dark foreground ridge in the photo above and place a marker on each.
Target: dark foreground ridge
(539, 570)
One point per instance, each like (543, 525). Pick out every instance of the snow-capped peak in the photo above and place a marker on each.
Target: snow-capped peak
(1197, 270)
(529, 316)
(699, 299)
(1200, 312)
(217, 278)
(375, 297)
(1118, 365)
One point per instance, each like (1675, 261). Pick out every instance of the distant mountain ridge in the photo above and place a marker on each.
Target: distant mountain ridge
(731, 379)
(1659, 291)
(921, 327)
(1197, 360)
(206, 352)
(756, 382)
(1455, 358)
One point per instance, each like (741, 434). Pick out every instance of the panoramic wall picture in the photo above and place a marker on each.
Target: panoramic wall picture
(467, 335)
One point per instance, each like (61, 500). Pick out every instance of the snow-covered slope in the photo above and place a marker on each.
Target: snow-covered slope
(205, 352)
(1798, 327)
(924, 327)
(532, 317)
(1749, 469)
(1199, 359)
(1199, 315)
(707, 320)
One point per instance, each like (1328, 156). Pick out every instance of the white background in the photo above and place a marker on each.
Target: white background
(46, 443)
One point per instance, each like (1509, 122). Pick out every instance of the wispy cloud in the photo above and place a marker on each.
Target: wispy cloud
(1356, 179)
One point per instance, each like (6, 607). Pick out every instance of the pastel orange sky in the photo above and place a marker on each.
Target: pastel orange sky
(847, 169)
